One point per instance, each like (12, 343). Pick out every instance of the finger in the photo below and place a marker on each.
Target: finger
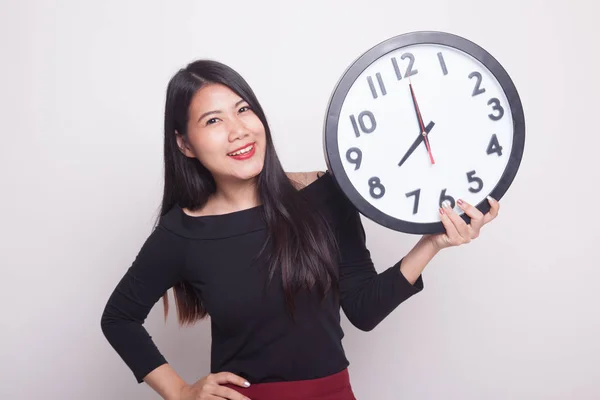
(228, 377)
(212, 397)
(216, 397)
(475, 215)
(228, 393)
(460, 225)
(452, 236)
(494, 209)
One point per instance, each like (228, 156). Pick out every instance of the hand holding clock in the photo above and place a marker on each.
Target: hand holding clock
(458, 232)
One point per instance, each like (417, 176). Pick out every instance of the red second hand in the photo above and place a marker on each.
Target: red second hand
(421, 123)
(428, 148)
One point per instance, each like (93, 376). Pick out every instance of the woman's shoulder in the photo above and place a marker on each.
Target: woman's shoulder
(321, 188)
(300, 180)
(318, 187)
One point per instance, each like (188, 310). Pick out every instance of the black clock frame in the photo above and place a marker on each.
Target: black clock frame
(330, 132)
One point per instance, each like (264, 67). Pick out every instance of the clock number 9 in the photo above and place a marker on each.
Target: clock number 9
(361, 122)
(354, 160)
(496, 107)
(444, 196)
(375, 183)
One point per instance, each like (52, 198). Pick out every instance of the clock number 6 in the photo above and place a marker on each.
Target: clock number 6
(356, 160)
(361, 121)
(444, 196)
(375, 183)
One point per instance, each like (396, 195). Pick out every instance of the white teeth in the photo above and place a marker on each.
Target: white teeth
(244, 150)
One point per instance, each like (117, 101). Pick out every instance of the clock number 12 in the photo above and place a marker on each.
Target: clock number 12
(409, 71)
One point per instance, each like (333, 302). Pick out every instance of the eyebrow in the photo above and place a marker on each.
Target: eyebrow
(219, 111)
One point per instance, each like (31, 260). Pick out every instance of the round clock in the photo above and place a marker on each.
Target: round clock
(420, 119)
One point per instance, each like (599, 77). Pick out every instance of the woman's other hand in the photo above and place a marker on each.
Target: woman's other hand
(209, 388)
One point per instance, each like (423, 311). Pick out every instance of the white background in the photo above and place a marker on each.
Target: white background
(513, 315)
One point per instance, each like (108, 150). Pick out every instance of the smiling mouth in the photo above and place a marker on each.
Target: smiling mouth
(245, 150)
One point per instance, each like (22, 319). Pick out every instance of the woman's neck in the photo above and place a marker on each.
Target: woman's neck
(234, 195)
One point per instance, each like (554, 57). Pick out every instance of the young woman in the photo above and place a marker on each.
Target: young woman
(270, 256)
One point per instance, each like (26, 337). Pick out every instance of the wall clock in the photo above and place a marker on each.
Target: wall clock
(422, 118)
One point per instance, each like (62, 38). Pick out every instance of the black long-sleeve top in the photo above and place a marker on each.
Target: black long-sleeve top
(253, 335)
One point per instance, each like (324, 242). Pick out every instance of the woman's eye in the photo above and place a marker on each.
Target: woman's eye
(209, 121)
(245, 108)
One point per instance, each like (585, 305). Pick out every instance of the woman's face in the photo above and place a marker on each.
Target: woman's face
(221, 123)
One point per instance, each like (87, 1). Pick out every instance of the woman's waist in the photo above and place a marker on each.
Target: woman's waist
(335, 386)
(280, 361)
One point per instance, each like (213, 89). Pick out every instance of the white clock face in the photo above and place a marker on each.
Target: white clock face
(470, 136)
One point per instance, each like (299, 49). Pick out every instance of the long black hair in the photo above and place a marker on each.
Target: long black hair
(301, 244)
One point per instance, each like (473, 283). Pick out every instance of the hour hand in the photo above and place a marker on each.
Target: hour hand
(416, 144)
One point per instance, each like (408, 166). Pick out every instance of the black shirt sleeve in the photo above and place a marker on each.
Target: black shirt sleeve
(366, 296)
(157, 267)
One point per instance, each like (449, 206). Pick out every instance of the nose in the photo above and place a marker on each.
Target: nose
(237, 129)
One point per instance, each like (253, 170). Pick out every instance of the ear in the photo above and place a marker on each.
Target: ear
(184, 146)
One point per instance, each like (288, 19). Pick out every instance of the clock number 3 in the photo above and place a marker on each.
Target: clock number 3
(377, 189)
(496, 107)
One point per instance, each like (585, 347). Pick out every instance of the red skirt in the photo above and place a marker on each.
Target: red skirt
(332, 387)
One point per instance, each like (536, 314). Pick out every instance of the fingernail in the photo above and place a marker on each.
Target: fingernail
(446, 204)
(246, 383)
(442, 212)
(460, 202)
(490, 199)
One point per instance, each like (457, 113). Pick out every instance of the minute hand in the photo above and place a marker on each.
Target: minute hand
(420, 119)
(416, 143)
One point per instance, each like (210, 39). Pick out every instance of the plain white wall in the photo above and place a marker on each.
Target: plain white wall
(513, 315)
